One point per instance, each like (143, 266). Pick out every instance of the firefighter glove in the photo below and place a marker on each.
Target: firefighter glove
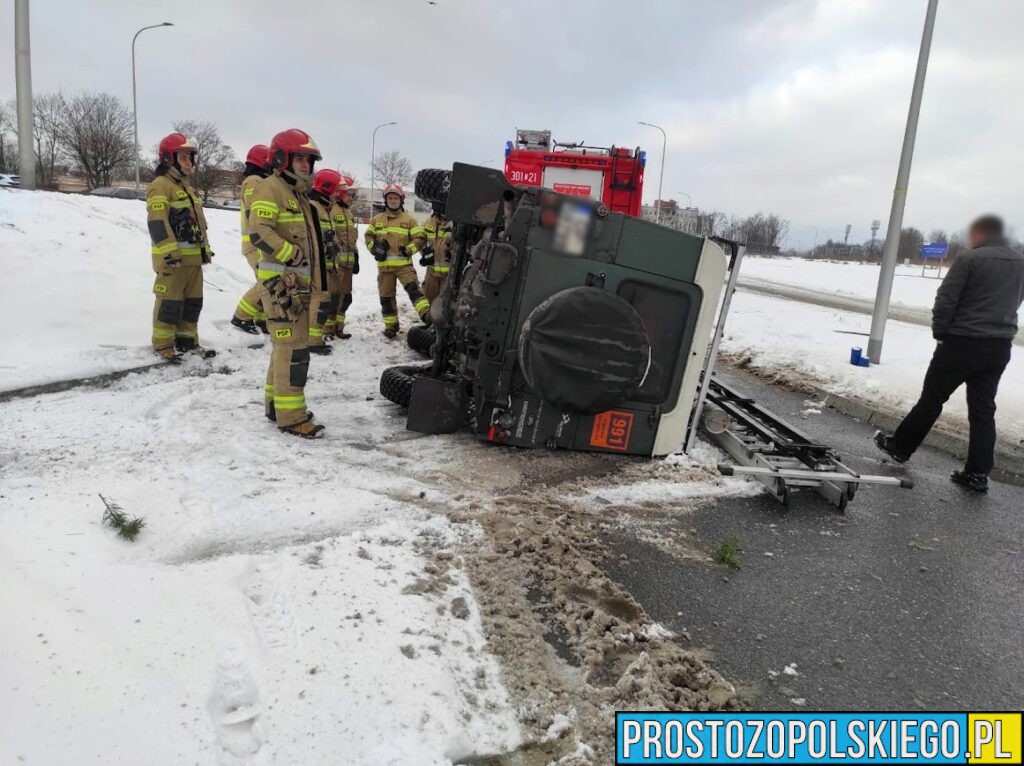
(172, 260)
(380, 248)
(355, 264)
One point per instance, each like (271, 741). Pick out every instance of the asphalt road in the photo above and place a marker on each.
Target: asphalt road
(912, 599)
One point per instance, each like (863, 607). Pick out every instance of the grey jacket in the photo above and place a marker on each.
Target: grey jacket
(981, 294)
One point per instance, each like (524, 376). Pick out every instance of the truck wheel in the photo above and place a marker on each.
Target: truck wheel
(421, 339)
(396, 382)
(432, 185)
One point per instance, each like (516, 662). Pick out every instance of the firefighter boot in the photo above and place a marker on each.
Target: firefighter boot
(305, 429)
(245, 325)
(185, 345)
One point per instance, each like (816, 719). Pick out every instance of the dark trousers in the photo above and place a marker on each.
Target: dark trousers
(978, 362)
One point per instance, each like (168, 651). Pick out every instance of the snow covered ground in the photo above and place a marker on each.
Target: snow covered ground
(803, 342)
(859, 280)
(287, 601)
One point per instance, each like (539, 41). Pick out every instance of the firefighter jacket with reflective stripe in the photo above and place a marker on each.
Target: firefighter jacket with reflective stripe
(401, 231)
(438, 232)
(284, 228)
(345, 231)
(248, 189)
(323, 214)
(177, 225)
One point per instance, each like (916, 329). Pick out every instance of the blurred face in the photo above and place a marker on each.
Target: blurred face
(185, 162)
(393, 201)
(302, 165)
(975, 238)
(346, 197)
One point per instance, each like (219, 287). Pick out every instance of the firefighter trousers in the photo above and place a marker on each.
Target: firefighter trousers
(249, 306)
(386, 287)
(179, 300)
(341, 287)
(322, 308)
(284, 395)
(432, 284)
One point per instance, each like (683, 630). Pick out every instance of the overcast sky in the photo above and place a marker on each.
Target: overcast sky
(793, 106)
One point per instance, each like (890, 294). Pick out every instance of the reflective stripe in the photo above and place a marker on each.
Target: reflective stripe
(290, 402)
(394, 230)
(315, 333)
(162, 334)
(422, 305)
(285, 252)
(416, 231)
(246, 238)
(268, 270)
(186, 334)
(395, 263)
(157, 198)
(347, 259)
(247, 308)
(412, 248)
(390, 319)
(290, 217)
(170, 247)
(440, 269)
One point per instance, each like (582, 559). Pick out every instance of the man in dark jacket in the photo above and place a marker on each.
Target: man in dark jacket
(974, 321)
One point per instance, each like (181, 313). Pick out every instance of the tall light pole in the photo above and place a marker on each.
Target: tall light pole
(373, 158)
(135, 100)
(689, 201)
(899, 195)
(23, 86)
(661, 173)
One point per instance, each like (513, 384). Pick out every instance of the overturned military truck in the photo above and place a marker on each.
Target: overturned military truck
(563, 325)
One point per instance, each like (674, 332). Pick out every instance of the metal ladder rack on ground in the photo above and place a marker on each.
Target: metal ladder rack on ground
(762, 444)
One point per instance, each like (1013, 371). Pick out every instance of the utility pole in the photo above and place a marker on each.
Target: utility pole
(899, 195)
(135, 100)
(23, 80)
(661, 173)
(373, 158)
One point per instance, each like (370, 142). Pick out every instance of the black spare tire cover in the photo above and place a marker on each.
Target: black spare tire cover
(584, 350)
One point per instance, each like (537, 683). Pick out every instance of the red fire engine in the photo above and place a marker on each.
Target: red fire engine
(614, 175)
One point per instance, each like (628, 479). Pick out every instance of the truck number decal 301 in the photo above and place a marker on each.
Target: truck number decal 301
(611, 430)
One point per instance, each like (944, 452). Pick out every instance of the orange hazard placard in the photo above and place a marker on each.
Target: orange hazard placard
(611, 430)
(577, 190)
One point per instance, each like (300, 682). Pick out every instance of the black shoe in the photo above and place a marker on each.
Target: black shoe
(391, 333)
(884, 442)
(189, 345)
(169, 354)
(425, 318)
(344, 335)
(321, 350)
(262, 325)
(975, 482)
(271, 413)
(245, 325)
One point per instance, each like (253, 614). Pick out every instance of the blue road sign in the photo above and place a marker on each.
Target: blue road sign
(934, 250)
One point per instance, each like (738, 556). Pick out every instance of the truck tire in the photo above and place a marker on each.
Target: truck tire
(432, 185)
(421, 339)
(396, 382)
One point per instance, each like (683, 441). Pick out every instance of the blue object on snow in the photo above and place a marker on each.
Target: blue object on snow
(855, 355)
(863, 362)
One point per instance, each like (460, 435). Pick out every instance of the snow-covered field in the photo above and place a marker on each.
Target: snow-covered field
(288, 602)
(859, 280)
(803, 342)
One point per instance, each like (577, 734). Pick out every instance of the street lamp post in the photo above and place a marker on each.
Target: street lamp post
(899, 195)
(135, 100)
(373, 158)
(689, 201)
(661, 173)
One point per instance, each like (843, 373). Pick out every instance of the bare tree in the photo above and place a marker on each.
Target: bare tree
(392, 167)
(8, 138)
(910, 242)
(215, 161)
(350, 174)
(938, 235)
(48, 114)
(96, 134)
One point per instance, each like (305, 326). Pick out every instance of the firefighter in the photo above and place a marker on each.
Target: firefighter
(348, 259)
(394, 237)
(286, 231)
(324, 305)
(177, 227)
(249, 316)
(438, 232)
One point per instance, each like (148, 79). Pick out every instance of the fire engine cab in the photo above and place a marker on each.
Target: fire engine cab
(614, 175)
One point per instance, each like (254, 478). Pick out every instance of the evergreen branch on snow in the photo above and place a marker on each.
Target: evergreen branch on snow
(115, 518)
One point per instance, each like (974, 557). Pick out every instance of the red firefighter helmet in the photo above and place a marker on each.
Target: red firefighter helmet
(327, 181)
(259, 155)
(393, 189)
(172, 144)
(288, 143)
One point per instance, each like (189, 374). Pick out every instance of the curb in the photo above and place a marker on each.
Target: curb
(66, 385)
